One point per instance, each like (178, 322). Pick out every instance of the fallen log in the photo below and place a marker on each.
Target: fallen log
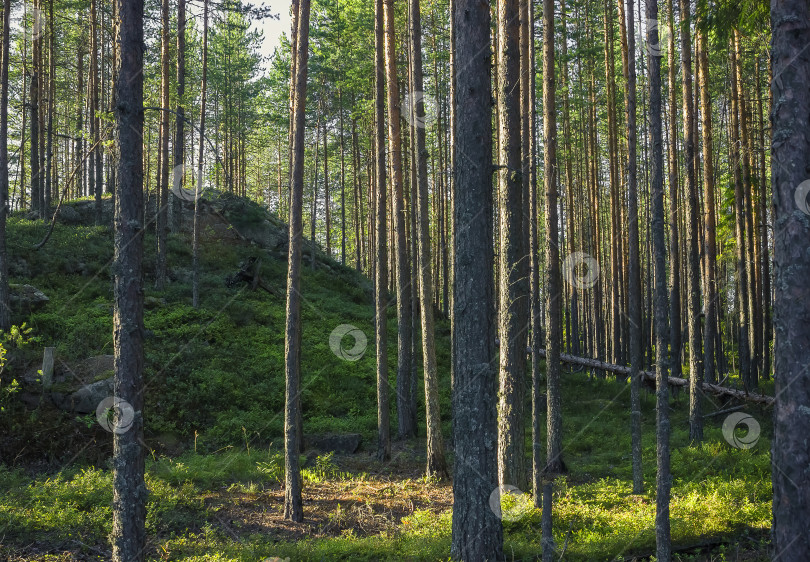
(715, 389)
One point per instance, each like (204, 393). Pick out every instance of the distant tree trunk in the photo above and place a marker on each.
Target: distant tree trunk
(179, 146)
(36, 191)
(5, 318)
(95, 170)
(342, 183)
(477, 532)
(163, 183)
(401, 263)
(628, 41)
(436, 464)
(326, 204)
(790, 21)
(765, 265)
(129, 490)
(380, 242)
(692, 233)
(675, 340)
(663, 477)
(710, 242)
(195, 299)
(46, 200)
(514, 266)
(79, 141)
(293, 505)
(740, 230)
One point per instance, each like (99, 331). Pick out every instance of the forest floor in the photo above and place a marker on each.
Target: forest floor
(214, 397)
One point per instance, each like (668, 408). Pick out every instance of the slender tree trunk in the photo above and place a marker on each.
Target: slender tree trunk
(293, 505)
(710, 242)
(675, 340)
(436, 464)
(95, 170)
(627, 21)
(740, 230)
(380, 242)
(790, 21)
(179, 146)
(477, 532)
(195, 299)
(129, 490)
(553, 281)
(163, 183)
(692, 234)
(36, 191)
(663, 477)
(5, 317)
(514, 266)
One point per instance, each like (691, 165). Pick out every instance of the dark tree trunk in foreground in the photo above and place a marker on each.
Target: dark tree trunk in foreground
(663, 484)
(129, 489)
(514, 266)
(477, 532)
(293, 506)
(790, 154)
(5, 317)
(634, 258)
(436, 464)
(380, 242)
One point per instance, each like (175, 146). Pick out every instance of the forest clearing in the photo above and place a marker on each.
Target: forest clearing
(405, 280)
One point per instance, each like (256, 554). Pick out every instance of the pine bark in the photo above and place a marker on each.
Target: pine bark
(380, 241)
(790, 117)
(477, 533)
(129, 489)
(663, 476)
(5, 319)
(293, 505)
(436, 464)
(514, 266)
(627, 21)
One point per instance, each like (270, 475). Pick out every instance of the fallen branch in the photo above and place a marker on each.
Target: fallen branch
(673, 381)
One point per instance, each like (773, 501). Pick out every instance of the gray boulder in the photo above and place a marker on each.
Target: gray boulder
(26, 298)
(343, 444)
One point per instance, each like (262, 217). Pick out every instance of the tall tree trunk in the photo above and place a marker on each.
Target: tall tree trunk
(675, 341)
(195, 290)
(514, 266)
(36, 191)
(401, 263)
(293, 505)
(790, 21)
(740, 230)
(477, 532)
(129, 490)
(436, 464)
(179, 146)
(95, 170)
(692, 233)
(663, 477)
(628, 40)
(553, 281)
(380, 241)
(163, 183)
(710, 242)
(5, 317)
